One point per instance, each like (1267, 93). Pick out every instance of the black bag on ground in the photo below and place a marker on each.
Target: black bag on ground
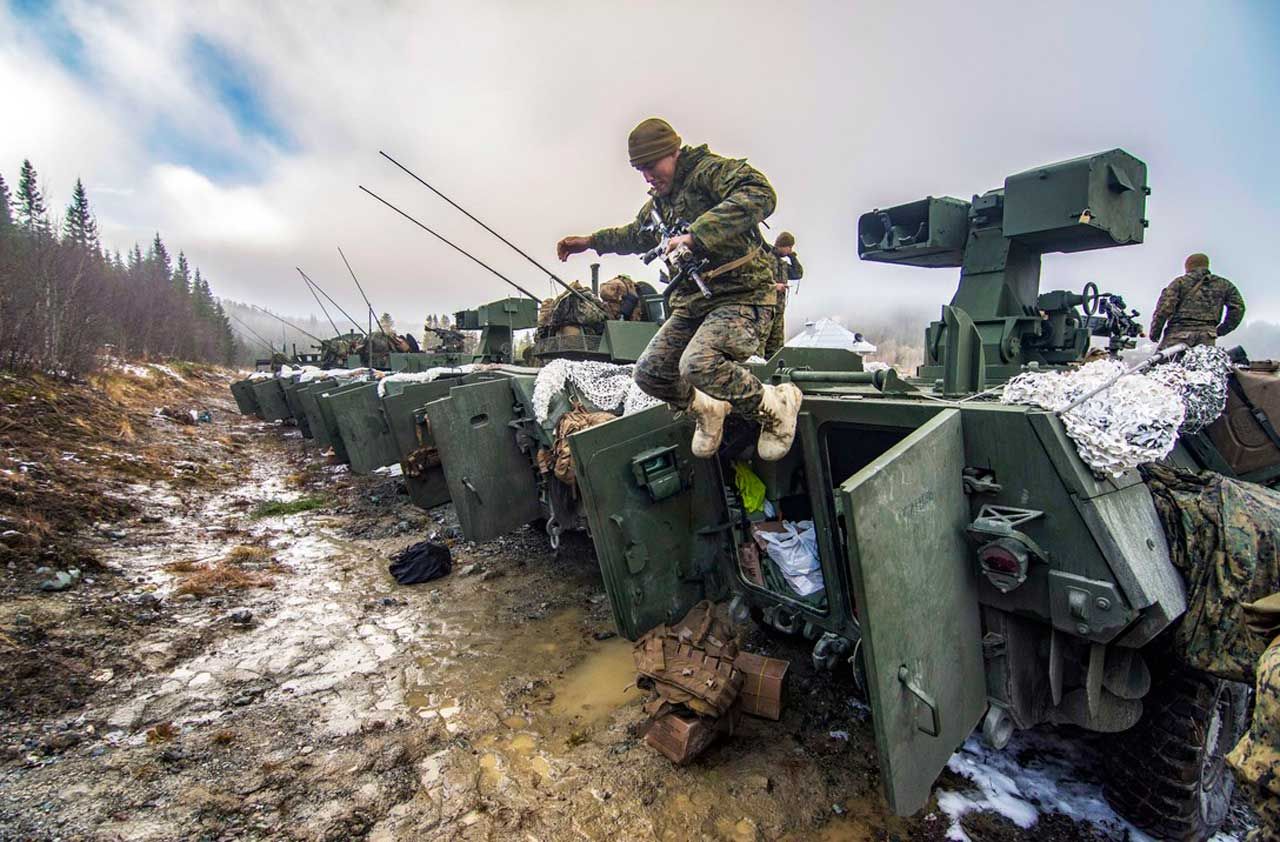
(421, 562)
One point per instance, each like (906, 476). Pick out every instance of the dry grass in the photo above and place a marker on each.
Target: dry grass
(248, 554)
(229, 574)
(211, 579)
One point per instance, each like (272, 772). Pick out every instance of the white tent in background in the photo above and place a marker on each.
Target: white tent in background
(827, 333)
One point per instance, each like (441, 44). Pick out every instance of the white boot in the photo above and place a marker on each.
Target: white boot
(709, 414)
(779, 406)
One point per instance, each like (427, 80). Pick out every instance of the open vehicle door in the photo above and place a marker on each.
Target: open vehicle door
(916, 593)
(657, 516)
(491, 481)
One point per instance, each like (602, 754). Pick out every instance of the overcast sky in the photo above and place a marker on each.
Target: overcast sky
(240, 131)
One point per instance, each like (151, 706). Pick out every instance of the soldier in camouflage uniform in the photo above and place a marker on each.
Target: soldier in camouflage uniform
(694, 362)
(1256, 758)
(786, 267)
(1190, 308)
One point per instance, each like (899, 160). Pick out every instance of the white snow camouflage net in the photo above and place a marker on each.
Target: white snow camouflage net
(1138, 419)
(427, 376)
(607, 386)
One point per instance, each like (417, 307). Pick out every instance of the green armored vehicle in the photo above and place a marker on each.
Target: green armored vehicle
(962, 557)
(498, 456)
(363, 434)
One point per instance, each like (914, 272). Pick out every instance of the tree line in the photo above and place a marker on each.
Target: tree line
(65, 298)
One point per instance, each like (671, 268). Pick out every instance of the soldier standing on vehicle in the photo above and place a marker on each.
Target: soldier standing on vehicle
(1190, 308)
(786, 267)
(694, 362)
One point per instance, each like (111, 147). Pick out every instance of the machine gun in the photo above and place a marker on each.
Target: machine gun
(682, 262)
(1108, 317)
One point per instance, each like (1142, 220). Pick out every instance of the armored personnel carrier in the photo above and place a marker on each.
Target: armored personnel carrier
(970, 567)
(488, 436)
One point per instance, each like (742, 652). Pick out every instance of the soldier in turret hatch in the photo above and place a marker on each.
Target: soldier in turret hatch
(694, 362)
(786, 267)
(1190, 309)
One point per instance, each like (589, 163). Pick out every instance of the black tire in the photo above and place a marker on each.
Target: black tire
(1168, 774)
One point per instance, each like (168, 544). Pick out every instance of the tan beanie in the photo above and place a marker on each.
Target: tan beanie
(1197, 261)
(785, 240)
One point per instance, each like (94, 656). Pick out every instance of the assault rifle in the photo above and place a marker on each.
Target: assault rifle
(682, 262)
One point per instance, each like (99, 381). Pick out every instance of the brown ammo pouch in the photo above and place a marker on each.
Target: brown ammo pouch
(690, 664)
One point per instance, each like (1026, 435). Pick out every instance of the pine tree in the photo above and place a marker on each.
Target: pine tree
(6, 212)
(80, 227)
(135, 260)
(158, 260)
(31, 209)
(226, 337)
(201, 297)
(182, 276)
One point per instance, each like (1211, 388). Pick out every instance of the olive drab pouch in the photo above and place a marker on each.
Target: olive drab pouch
(690, 663)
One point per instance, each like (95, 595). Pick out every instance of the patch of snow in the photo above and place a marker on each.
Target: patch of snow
(1038, 772)
(164, 369)
(135, 370)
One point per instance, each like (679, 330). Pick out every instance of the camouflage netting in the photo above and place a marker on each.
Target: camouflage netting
(606, 386)
(1138, 419)
(1224, 538)
(427, 376)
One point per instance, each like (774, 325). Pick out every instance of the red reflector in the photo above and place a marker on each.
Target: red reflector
(1000, 560)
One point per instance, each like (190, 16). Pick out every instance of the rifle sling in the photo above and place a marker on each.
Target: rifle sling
(726, 268)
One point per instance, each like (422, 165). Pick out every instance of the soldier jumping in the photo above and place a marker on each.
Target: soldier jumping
(694, 362)
(1190, 307)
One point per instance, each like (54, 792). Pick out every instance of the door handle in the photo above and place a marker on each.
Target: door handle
(904, 675)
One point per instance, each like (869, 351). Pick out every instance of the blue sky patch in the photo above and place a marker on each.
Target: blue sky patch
(47, 21)
(231, 84)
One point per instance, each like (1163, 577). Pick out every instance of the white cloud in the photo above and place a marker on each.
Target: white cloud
(520, 112)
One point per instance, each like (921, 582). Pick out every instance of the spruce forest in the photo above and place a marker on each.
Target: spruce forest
(66, 300)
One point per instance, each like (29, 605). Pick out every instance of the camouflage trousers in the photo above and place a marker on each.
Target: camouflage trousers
(1191, 337)
(777, 330)
(706, 353)
(1256, 758)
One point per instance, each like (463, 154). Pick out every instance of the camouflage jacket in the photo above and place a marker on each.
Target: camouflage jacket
(785, 269)
(1195, 301)
(724, 200)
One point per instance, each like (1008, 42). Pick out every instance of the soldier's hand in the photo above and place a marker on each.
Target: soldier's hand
(683, 241)
(780, 287)
(572, 245)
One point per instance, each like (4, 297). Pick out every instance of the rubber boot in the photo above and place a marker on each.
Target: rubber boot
(709, 414)
(779, 407)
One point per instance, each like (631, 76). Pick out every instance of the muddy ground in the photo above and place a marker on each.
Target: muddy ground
(223, 670)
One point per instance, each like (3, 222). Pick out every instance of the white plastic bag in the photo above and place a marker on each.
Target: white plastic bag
(795, 551)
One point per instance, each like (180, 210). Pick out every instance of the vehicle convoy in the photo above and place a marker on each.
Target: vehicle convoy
(488, 435)
(972, 569)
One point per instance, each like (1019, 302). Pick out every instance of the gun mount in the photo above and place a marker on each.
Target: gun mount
(998, 321)
(497, 322)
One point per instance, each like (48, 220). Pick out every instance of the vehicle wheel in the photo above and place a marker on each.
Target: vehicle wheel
(1168, 774)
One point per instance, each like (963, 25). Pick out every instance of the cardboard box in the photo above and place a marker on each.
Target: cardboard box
(762, 683)
(681, 736)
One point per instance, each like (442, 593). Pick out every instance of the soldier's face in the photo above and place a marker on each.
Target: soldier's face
(660, 174)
